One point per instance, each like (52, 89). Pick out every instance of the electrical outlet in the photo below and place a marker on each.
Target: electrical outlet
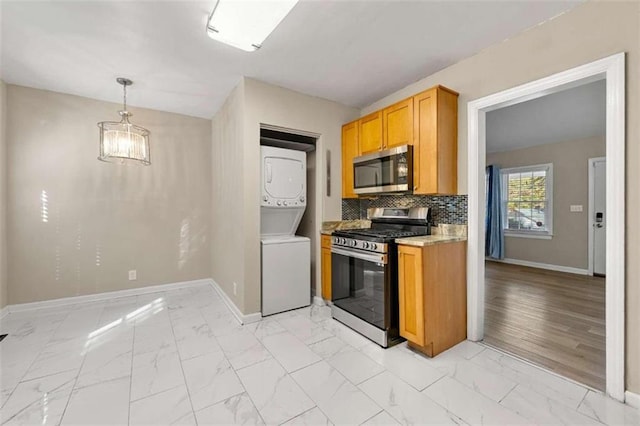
(576, 208)
(235, 289)
(133, 275)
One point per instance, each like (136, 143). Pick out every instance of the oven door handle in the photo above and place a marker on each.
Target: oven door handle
(370, 257)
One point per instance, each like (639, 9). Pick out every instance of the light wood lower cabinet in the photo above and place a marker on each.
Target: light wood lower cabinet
(325, 247)
(432, 294)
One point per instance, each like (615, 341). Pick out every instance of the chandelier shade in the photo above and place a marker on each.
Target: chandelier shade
(122, 142)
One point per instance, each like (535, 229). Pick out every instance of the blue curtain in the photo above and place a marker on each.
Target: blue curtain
(494, 234)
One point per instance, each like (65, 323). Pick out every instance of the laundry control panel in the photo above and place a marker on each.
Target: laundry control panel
(283, 202)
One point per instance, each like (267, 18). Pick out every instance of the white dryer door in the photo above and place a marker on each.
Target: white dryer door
(284, 178)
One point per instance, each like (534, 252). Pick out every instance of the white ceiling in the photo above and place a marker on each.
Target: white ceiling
(573, 114)
(352, 52)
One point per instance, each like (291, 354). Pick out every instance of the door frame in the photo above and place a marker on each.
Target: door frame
(592, 207)
(611, 68)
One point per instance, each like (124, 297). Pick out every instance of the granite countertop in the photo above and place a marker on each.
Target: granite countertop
(329, 227)
(429, 240)
(443, 233)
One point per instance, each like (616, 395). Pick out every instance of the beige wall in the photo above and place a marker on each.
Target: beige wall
(236, 258)
(3, 195)
(569, 245)
(308, 226)
(273, 105)
(100, 220)
(590, 31)
(228, 176)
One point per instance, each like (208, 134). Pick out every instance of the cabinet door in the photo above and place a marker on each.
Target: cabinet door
(371, 133)
(397, 124)
(425, 149)
(411, 293)
(350, 149)
(326, 273)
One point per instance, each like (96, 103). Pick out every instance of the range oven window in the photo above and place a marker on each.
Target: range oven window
(360, 287)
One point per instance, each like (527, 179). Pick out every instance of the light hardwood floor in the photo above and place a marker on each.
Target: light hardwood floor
(553, 319)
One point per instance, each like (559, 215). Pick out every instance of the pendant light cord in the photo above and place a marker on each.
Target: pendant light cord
(124, 86)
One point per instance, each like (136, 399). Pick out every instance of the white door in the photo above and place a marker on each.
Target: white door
(598, 217)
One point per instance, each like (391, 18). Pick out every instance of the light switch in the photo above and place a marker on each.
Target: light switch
(576, 208)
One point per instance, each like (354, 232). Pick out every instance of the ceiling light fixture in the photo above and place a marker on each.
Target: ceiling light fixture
(123, 142)
(245, 24)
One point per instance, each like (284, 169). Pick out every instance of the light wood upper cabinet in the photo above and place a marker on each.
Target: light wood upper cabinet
(350, 149)
(370, 129)
(435, 152)
(432, 290)
(428, 121)
(410, 294)
(397, 124)
(326, 266)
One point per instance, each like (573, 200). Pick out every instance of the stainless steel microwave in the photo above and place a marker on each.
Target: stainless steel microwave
(384, 171)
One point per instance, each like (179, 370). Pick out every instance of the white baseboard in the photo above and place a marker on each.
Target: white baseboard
(547, 266)
(242, 318)
(318, 301)
(632, 399)
(4, 312)
(21, 307)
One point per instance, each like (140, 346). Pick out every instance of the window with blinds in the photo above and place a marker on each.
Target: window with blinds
(527, 199)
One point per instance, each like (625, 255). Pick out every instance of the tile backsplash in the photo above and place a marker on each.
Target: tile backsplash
(445, 208)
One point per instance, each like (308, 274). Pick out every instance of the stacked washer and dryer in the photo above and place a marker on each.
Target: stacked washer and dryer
(286, 258)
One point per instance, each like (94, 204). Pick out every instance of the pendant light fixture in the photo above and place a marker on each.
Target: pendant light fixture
(123, 142)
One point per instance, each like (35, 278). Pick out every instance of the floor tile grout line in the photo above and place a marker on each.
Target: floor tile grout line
(382, 410)
(25, 407)
(286, 373)
(482, 368)
(184, 376)
(235, 372)
(155, 393)
(73, 388)
(371, 378)
(508, 393)
(540, 368)
(564, 379)
(35, 359)
(133, 346)
(248, 395)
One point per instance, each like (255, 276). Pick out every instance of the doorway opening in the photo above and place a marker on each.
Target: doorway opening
(308, 142)
(539, 302)
(611, 70)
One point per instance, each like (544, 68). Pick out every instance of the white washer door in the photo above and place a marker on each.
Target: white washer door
(286, 274)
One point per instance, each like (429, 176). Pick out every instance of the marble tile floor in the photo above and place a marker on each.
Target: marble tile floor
(180, 358)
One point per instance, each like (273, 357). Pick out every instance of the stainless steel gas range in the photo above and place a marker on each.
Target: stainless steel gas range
(364, 271)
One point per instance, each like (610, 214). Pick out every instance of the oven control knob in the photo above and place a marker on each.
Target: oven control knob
(284, 203)
(374, 246)
(279, 203)
(365, 245)
(354, 243)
